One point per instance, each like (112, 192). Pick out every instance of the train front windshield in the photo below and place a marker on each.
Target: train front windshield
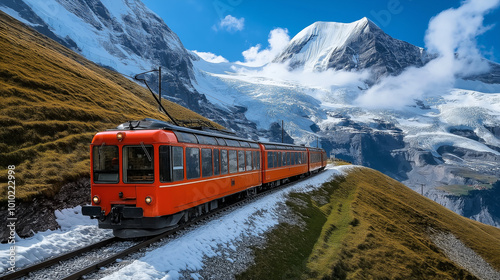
(138, 164)
(106, 164)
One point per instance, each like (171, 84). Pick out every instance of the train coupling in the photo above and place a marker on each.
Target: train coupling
(95, 212)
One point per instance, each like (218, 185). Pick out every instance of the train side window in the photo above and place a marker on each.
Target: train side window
(256, 161)
(249, 160)
(171, 164)
(177, 163)
(275, 158)
(165, 162)
(292, 158)
(105, 164)
(269, 160)
(233, 161)
(192, 163)
(138, 164)
(241, 161)
(279, 159)
(287, 158)
(223, 162)
(206, 162)
(216, 162)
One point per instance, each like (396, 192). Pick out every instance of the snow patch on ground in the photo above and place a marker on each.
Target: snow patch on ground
(76, 231)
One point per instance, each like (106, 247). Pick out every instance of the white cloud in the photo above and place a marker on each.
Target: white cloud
(231, 24)
(262, 69)
(210, 57)
(451, 36)
(327, 80)
(278, 40)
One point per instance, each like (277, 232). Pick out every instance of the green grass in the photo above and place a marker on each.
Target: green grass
(483, 181)
(368, 226)
(462, 190)
(53, 102)
(471, 174)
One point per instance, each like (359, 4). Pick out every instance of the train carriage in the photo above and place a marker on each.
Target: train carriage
(283, 161)
(317, 159)
(148, 176)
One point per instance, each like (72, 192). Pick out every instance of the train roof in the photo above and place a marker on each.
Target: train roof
(189, 135)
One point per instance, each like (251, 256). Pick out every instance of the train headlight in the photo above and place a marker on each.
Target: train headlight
(96, 199)
(148, 200)
(120, 136)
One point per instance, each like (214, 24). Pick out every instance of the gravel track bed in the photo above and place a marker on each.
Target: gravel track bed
(464, 256)
(65, 268)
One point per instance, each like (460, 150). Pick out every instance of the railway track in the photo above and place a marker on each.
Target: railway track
(52, 261)
(135, 248)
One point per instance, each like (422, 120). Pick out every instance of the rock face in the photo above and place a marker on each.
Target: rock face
(379, 150)
(38, 214)
(482, 206)
(351, 46)
(491, 77)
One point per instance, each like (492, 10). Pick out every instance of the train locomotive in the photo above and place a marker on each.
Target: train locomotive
(148, 176)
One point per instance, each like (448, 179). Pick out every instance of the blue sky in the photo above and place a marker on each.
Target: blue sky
(200, 23)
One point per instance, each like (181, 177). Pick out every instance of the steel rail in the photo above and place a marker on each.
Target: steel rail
(54, 260)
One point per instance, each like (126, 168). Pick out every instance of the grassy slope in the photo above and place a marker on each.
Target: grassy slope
(368, 226)
(52, 103)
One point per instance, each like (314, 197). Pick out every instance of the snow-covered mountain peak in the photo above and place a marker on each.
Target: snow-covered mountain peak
(316, 43)
(350, 46)
(333, 31)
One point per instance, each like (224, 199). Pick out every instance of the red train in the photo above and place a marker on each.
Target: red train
(147, 176)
